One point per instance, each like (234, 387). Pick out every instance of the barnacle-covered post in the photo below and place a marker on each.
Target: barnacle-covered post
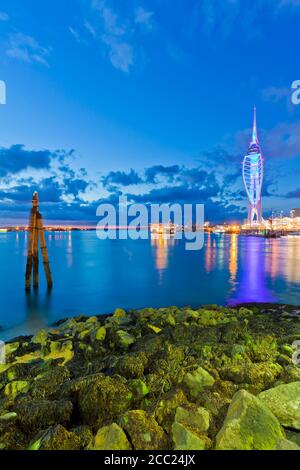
(36, 236)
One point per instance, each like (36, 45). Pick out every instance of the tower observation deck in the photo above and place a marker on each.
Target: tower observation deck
(253, 171)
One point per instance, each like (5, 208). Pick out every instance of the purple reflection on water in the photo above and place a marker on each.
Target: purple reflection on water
(252, 286)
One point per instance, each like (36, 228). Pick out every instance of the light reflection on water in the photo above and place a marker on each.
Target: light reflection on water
(93, 276)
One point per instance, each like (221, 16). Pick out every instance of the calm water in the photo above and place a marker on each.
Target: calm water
(93, 276)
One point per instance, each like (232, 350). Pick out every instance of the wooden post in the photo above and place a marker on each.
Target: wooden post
(36, 235)
(44, 251)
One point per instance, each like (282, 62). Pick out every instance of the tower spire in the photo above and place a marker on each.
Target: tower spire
(254, 132)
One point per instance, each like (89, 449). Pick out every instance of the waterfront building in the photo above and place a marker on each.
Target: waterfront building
(253, 171)
(295, 213)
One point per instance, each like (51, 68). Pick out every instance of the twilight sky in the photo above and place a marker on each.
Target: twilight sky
(148, 98)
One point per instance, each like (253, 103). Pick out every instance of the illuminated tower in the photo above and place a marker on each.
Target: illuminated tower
(253, 172)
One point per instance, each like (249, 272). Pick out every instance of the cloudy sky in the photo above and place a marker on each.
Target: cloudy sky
(152, 99)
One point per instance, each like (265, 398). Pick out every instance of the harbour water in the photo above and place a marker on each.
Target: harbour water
(93, 276)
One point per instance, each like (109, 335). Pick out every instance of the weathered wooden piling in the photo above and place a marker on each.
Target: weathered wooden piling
(36, 237)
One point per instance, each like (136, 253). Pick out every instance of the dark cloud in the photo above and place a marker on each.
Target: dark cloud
(15, 159)
(48, 189)
(75, 186)
(293, 194)
(169, 172)
(121, 178)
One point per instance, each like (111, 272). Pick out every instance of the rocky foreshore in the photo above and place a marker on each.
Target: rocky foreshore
(170, 378)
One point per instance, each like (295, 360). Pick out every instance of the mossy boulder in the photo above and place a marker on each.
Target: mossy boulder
(139, 389)
(8, 417)
(166, 408)
(125, 339)
(110, 437)
(198, 380)
(40, 338)
(187, 438)
(10, 349)
(119, 313)
(103, 399)
(16, 387)
(284, 402)
(293, 436)
(56, 438)
(99, 334)
(249, 425)
(130, 366)
(284, 444)
(19, 371)
(262, 348)
(261, 375)
(144, 431)
(208, 317)
(194, 416)
(245, 311)
(40, 414)
(48, 383)
(85, 435)
(11, 437)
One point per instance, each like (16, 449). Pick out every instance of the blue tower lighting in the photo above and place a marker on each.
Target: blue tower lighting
(253, 172)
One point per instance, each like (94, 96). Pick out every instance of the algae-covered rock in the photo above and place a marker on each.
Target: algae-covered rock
(292, 373)
(261, 376)
(284, 444)
(249, 425)
(11, 437)
(245, 311)
(284, 402)
(110, 437)
(40, 338)
(18, 371)
(125, 339)
(100, 334)
(119, 313)
(166, 408)
(198, 380)
(193, 416)
(209, 317)
(8, 417)
(130, 366)
(16, 387)
(84, 434)
(154, 328)
(39, 414)
(263, 349)
(103, 399)
(293, 436)
(186, 438)
(144, 431)
(164, 378)
(139, 388)
(11, 348)
(48, 383)
(56, 438)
